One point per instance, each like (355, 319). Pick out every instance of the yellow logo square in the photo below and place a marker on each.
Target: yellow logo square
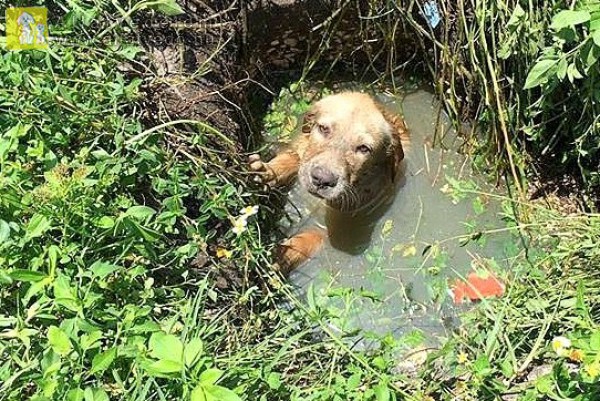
(26, 28)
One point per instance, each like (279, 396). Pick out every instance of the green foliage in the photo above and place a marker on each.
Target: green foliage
(527, 73)
(567, 72)
(104, 229)
(510, 345)
(110, 232)
(99, 224)
(285, 113)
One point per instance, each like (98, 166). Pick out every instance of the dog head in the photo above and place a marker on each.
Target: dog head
(352, 150)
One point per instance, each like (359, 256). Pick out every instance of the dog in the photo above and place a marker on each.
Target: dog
(349, 154)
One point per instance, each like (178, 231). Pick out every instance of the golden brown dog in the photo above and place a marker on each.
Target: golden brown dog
(348, 154)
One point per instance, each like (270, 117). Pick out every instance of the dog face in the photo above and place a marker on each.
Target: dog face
(351, 151)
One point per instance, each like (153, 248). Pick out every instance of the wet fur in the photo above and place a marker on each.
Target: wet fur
(354, 139)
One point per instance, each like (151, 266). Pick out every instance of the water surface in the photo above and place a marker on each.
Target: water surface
(396, 282)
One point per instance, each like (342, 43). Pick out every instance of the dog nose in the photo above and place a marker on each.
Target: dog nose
(322, 177)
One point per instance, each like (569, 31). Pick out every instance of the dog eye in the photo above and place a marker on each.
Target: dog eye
(324, 129)
(364, 149)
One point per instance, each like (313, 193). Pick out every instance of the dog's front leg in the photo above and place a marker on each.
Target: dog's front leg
(297, 249)
(279, 171)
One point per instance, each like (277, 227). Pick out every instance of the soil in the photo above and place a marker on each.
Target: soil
(195, 61)
(223, 61)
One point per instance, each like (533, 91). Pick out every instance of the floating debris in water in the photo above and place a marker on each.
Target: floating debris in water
(479, 285)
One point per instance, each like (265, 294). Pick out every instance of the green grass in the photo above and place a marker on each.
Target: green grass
(113, 240)
(102, 225)
(114, 234)
(525, 72)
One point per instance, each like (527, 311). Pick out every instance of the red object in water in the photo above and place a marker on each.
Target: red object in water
(476, 287)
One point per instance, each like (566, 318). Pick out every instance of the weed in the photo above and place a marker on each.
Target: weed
(112, 234)
(96, 235)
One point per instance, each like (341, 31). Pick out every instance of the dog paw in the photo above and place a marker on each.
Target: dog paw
(264, 174)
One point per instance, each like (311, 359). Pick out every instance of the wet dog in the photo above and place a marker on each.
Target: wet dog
(349, 154)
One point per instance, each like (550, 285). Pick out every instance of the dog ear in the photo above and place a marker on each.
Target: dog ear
(309, 119)
(399, 139)
(397, 156)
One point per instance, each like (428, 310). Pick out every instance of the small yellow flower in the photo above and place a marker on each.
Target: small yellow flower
(561, 345)
(223, 253)
(239, 225)
(576, 355)
(461, 386)
(462, 358)
(593, 369)
(249, 211)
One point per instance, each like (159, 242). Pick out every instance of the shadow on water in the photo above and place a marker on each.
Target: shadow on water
(390, 272)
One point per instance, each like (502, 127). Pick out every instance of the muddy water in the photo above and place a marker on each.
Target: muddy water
(388, 272)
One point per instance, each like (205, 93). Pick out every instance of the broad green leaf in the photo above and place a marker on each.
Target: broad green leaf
(90, 340)
(192, 351)
(168, 7)
(382, 392)
(221, 393)
(103, 360)
(595, 22)
(573, 73)
(274, 380)
(59, 341)
(5, 277)
(596, 37)
(96, 394)
(567, 18)
(53, 254)
(166, 346)
(595, 341)
(139, 212)
(591, 57)
(102, 269)
(516, 16)
(507, 368)
(100, 154)
(105, 222)
(198, 394)
(18, 130)
(380, 362)
(5, 147)
(481, 366)
(75, 395)
(27, 275)
(144, 232)
(540, 73)
(354, 381)
(561, 71)
(63, 287)
(544, 384)
(38, 225)
(163, 366)
(210, 376)
(64, 294)
(129, 51)
(36, 288)
(4, 231)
